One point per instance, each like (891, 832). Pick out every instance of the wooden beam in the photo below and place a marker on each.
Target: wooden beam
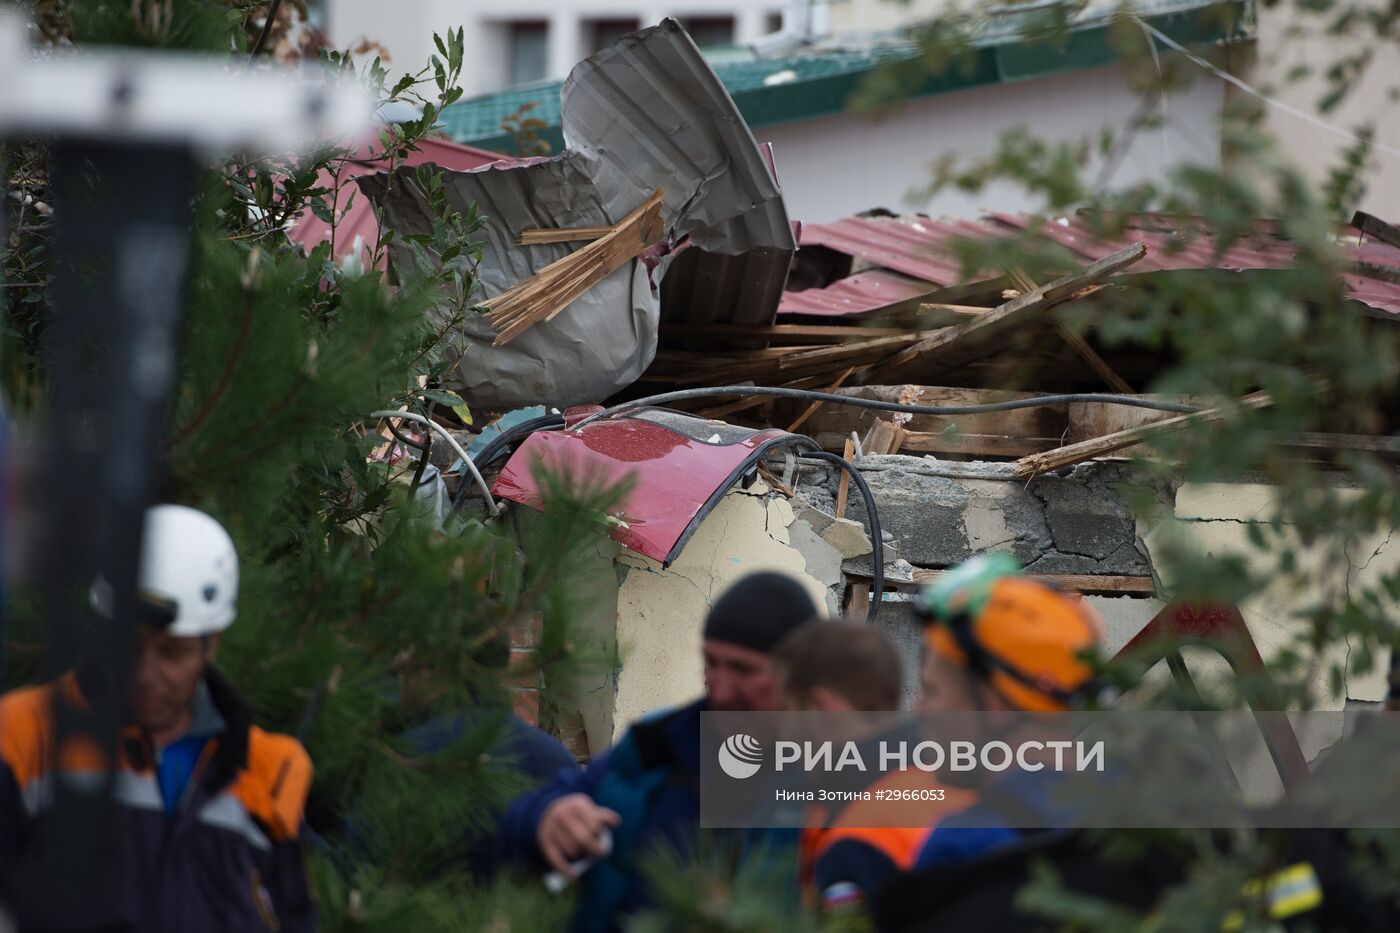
(932, 433)
(1092, 584)
(537, 236)
(933, 307)
(1376, 228)
(752, 401)
(957, 345)
(843, 488)
(980, 445)
(884, 437)
(1034, 464)
(1085, 583)
(812, 408)
(858, 600)
(781, 333)
(559, 284)
(1366, 442)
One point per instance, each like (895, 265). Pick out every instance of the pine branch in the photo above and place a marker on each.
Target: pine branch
(240, 344)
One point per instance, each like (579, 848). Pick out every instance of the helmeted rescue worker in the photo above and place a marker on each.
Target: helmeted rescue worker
(209, 806)
(997, 640)
(849, 850)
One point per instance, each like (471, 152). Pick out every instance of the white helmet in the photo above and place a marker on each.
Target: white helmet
(189, 566)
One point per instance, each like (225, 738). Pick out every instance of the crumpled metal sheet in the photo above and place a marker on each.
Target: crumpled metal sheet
(644, 114)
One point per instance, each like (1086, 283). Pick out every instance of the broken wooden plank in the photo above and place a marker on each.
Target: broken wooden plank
(950, 442)
(1087, 584)
(559, 284)
(776, 483)
(812, 408)
(538, 236)
(1090, 584)
(1046, 421)
(797, 362)
(1324, 441)
(752, 401)
(781, 333)
(1088, 420)
(1376, 228)
(843, 488)
(858, 600)
(884, 437)
(1034, 464)
(977, 445)
(957, 345)
(933, 307)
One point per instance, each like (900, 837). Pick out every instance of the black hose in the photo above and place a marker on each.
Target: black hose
(501, 443)
(877, 539)
(1132, 401)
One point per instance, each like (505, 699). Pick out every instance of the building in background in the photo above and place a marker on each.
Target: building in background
(528, 41)
(1285, 36)
(834, 160)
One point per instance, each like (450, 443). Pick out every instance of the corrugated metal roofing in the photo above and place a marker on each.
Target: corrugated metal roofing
(855, 294)
(357, 221)
(643, 115)
(919, 247)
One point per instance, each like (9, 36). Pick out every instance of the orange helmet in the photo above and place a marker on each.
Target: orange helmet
(1027, 640)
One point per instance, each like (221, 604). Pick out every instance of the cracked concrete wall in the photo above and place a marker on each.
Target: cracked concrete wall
(1080, 522)
(941, 514)
(1215, 518)
(661, 613)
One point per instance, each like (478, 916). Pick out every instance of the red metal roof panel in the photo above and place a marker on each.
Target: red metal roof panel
(861, 293)
(920, 247)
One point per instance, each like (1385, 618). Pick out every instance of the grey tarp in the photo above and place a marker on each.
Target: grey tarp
(644, 114)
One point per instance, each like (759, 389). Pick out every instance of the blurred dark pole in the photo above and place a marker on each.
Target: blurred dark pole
(121, 255)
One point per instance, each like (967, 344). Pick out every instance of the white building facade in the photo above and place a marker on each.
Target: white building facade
(524, 41)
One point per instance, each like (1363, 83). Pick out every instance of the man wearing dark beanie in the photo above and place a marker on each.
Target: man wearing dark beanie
(643, 794)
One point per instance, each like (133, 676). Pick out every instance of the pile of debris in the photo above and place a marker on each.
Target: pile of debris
(654, 255)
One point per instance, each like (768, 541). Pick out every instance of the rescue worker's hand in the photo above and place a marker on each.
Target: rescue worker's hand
(570, 828)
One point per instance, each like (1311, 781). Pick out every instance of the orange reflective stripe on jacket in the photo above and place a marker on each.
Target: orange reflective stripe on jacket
(229, 853)
(861, 821)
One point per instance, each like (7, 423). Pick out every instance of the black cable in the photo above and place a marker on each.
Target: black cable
(501, 443)
(877, 540)
(1132, 401)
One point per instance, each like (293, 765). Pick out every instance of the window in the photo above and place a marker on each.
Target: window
(710, 31)
(529, 52)
(600, 33)
(773, 22)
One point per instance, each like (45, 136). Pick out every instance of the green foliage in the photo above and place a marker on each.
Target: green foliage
(525, 131)
(358, 618)
(510, 906)
(1221, 335)
(713, 890)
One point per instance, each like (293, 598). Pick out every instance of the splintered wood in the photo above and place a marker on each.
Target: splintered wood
(955, 346)
(1035, 464)
(537, 236)
(559, 284)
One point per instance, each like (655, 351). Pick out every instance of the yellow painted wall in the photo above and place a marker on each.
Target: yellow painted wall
(660, 614)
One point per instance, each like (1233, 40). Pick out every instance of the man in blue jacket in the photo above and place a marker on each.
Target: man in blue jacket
(645, 790)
